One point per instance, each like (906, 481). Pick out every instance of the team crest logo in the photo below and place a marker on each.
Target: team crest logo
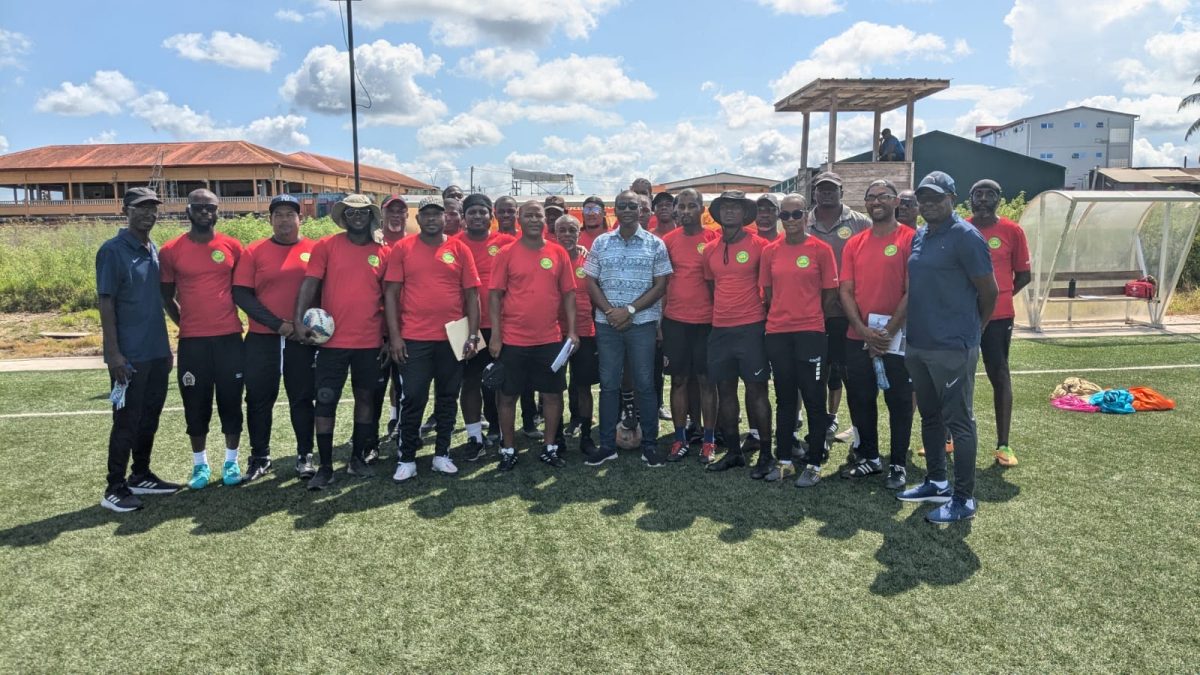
(448, 258)
(218, 256)
(493, 250)
(700, 247)
(373, 260)
(188, 379)
(305, 256)
(802, 262)
(891, 250)
(844, 232)
(994, 243)
(546, 263)
(580, 273)
(742, 257)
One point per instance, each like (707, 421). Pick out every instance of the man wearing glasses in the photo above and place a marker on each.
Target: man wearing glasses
(953, 295)
(906, 209)
(874, 280)
(766, 221)
(197, 291)
(834, 223)
(346, 271)
(595, 222)
(627, 272)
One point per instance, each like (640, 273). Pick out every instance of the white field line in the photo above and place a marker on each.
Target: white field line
(1060, 371)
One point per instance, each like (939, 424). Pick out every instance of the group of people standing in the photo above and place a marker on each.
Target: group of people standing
(806, 298)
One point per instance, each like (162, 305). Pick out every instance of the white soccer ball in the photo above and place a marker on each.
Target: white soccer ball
(321, 324)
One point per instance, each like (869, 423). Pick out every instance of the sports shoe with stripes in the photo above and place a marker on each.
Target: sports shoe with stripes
(679, 450)
(863, 468)
(121, 500)
(149, 484)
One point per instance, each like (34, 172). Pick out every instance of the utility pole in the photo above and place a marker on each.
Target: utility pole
(353, 92)
(472, 179)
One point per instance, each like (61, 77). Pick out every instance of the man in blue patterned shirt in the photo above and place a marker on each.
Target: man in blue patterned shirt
(627, 273)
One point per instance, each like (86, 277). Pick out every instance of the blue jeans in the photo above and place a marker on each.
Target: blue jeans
(637, 345)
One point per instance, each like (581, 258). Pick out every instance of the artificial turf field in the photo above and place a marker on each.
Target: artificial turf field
(1085, 557)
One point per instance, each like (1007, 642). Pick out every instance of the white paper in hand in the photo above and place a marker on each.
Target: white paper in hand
(563, 355)
(879, 322)
(456, 335)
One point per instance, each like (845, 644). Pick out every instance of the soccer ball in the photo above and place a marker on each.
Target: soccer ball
(321, 324)
(629, 439)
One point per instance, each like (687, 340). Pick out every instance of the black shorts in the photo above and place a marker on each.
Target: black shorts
(994, 343)
(585, 363)
(365, 369)
(685, 346)
(208, 365)
(738, 351)
(529, 367)
(835, 335)
(473, 368)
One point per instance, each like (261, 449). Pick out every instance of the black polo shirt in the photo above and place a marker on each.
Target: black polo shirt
(128, 271)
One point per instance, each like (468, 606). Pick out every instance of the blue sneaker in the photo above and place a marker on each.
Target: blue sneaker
(601, 456)
(959, 508)
(200, 477)
(231, 474)
(926, 492)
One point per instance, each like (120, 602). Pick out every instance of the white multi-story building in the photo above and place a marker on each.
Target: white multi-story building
(1080, 139)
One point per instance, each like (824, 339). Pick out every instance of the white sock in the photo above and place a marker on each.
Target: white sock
(395, 413)
(507, 451)
(940, 484)
(475, 430)
(552, 448)
(199, 458)
(231, 455)
(754, 433)
(786, 461)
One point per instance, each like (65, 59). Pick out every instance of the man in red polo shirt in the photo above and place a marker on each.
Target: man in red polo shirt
(555, 208)
(395, 222)
(197, 289)
(346, 271)
(1010, 260)
(437, 276)
(585, 362)
(687, 321)
(874, 280)
(506, 216)
(265, 285)
(479, 401)
(531, 280)
(595, 221)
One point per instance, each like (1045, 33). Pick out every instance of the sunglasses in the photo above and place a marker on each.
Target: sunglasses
(592, 208)
(627, 206)
(357, 212)
(206, 208)
(798, 214)
(908, 202)
(884, 198)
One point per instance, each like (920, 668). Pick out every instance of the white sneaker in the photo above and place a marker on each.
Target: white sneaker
(849, 436)
(404, 471)
(443, 465)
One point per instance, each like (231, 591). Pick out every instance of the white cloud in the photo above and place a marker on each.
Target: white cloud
(13, 46)
(504, 113)
(387, 72)
(460, 133)
(1167, 154)
(107, 136)
(3, 145)
(463, 23)
(226, 49)
(434, 168)
(104, 93)
(992, 105)
(597, 79)
(804, 7)
(496, 63)
(280, 131)
(1158, 113)
(183, 123)
(858, 49)
(289, 15)
(776, 154)
(741, 110)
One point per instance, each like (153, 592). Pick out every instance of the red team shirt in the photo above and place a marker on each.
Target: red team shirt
(688, 299)
(796, 275)
(434, 279)
(351, 290)
(533, 281)
(586, 236)
(737, 299)
(275, 272)
(203, 278)
(484, 253)
(878, 266)
(585, 325)
(1010, 254)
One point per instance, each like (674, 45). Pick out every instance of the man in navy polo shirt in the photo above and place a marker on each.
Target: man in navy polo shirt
(135, 350)
(952, 292)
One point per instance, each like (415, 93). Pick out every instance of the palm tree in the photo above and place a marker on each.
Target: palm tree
(1187, 102)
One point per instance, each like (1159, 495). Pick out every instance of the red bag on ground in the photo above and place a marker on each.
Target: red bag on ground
(1146, 399)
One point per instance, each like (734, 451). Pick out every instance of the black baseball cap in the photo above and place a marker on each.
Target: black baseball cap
(140, 195)
(662, 197)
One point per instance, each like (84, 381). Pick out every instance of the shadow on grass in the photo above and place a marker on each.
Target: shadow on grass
(672, 499)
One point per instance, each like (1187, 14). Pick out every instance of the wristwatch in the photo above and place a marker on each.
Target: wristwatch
(631, 309)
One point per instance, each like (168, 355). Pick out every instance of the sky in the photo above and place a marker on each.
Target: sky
(606, 90)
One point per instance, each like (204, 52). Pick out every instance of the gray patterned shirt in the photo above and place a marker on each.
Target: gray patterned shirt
(625, 270)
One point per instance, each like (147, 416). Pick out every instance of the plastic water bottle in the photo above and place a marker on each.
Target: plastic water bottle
(880, 375)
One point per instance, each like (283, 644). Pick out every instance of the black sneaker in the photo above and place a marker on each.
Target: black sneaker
(600, 456)
(863, 468)
(358, 467)
(304, 467)
(750, 445)
(257, 468)
(429, 427)
(763, 466)
(897, 478)
(473, 451)
(587, 446)
(532, 432)
(732, 459)
(372, 454)
(120, 499)
(551, 457)
(322, 479)
(149, 484)
(572, 429)
(652, 457)
(392, 426)
(508, 460)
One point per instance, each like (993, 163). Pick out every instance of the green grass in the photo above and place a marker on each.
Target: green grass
(1086, 557)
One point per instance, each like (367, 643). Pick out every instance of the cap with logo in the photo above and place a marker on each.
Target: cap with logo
(140, 195)
(939, 182)
(393, 198)
(283, 200)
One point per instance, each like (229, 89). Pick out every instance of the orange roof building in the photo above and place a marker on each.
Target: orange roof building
(80, 180)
